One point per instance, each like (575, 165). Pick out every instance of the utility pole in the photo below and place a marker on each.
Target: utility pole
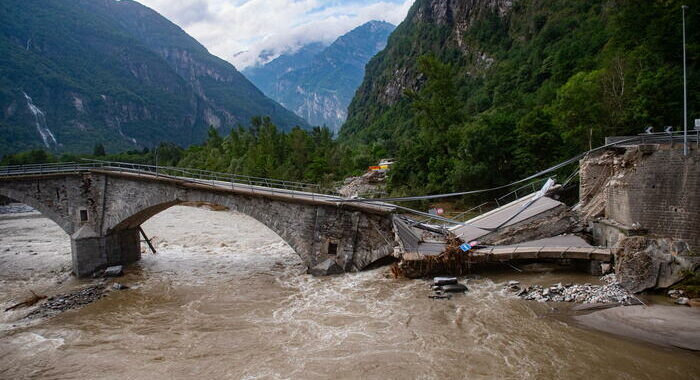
(685, 91)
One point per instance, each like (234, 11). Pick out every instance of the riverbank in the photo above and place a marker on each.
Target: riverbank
(224, 297)
(670, 326)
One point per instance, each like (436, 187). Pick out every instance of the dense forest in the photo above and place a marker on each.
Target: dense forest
(521, 88)
(260, 150)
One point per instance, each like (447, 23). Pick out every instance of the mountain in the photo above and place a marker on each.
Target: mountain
(78, 72)
(469, 94)
(319, 84)
(265, 76)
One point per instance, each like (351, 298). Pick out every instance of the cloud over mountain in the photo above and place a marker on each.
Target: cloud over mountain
(240, 30)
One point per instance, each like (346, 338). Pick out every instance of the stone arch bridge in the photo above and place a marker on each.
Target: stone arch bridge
(101, 206)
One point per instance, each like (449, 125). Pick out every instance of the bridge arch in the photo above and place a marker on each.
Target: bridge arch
(126, 222)
(66, 224)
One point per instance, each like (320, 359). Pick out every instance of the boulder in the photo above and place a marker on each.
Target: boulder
(114, 271)
(118, 286)
(326, 268)
(647, 263)
(682, 301)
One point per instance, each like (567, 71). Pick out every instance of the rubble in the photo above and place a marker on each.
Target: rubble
(682, 301)
(367, 184)
(67, 301)
(118, 286)
(610, 292)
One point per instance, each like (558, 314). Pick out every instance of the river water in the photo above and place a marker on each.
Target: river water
(225, 298)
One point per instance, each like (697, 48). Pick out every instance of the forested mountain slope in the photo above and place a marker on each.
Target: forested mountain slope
(78, 72)
(476, 92)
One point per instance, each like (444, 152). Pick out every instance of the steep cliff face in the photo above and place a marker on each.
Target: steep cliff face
(320, 89)
(75, 73)
(439, 27)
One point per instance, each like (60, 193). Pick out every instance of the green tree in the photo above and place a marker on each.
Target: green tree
(99, 150)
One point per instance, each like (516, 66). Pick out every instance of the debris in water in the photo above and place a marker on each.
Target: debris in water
(31, 301)
(67, 301)
(454, 288)
(443, 285)
(114, 271)
(118, 286)
(444, 280)
(440, 296)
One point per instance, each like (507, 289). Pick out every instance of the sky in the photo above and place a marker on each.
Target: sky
(239, 30)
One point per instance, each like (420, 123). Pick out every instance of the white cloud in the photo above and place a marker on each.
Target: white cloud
(239, 30)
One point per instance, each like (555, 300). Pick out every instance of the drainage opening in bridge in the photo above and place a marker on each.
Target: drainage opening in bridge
(332, 248)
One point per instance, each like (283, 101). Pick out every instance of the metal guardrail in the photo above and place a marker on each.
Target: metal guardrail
(192, 174)
(655, 138)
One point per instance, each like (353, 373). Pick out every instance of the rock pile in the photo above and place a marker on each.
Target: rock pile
(67, 301)
(611, 292)
(364, 185)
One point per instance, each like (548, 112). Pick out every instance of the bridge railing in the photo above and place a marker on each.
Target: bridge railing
(192, 174)
(61, 167)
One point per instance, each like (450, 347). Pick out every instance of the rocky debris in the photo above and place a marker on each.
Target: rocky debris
(611, 292)
(367, 184)
(599, 171)
(118, 286)
(68, 301)
(675, 293)
(443, 285)
(682, 301)
(114, 271)
(647, 263)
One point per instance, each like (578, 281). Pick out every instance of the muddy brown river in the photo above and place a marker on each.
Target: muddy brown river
(225, 298)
